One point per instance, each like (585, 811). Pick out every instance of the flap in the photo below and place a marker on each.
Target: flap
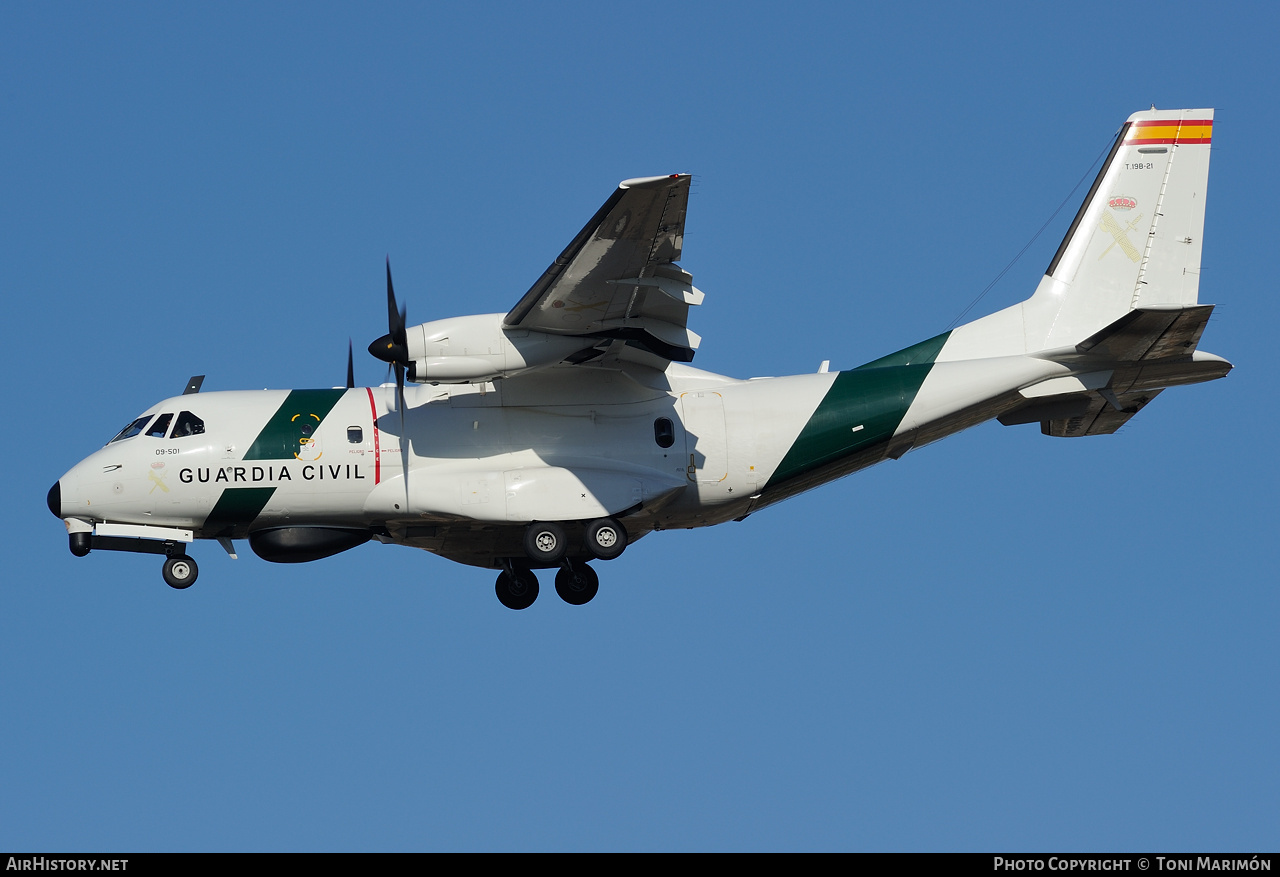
(616, 278)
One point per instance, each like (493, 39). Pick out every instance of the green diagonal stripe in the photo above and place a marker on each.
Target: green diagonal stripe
(875, 396)
(235, 511)
(296, 418)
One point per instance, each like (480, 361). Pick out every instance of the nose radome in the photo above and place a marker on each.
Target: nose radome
(55, 499)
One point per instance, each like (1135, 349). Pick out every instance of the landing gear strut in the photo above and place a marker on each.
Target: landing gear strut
(517, 587)
(545, 545)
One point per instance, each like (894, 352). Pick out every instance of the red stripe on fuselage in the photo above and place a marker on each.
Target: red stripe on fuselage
(377, 445)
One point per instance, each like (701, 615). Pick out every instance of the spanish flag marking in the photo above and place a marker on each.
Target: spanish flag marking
(1171, 131)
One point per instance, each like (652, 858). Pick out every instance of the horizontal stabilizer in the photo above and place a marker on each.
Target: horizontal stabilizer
(1103, 416)
(1149, 333)
(1118, 370)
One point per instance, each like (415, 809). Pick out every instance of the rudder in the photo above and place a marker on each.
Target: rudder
(1136, 241)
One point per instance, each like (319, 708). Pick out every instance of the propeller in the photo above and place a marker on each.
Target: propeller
(351, 368)
(393, 349)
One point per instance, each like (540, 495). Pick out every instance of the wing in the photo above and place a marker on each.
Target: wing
(617, 280)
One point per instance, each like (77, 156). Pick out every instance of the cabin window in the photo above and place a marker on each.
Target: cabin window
(161, 426)
(355, 435)
(132, 429)
(664, 432)
(188, 424)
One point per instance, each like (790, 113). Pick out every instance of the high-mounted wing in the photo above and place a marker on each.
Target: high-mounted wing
(618, 279)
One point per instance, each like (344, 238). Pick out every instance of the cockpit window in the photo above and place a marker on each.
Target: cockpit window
(161, 426)
(132, 429)
(188, 424)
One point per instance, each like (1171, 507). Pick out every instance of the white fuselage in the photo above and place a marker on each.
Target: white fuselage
(679, 449)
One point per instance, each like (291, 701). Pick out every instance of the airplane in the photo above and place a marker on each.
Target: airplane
(554, 435)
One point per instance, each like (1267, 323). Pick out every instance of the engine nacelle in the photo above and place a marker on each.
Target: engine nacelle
(464, 350)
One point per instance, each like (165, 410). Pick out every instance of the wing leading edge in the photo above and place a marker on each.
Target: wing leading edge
(617, 279)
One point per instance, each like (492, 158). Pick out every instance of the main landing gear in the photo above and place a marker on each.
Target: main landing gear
(517, 587)
(576, 583)
(546, 545)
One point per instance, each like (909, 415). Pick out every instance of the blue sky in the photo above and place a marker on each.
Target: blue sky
(1000, 642)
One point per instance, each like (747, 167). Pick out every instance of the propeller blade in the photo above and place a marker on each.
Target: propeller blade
(395, 317)
(393, 346)
(393, 349)
(351, 368)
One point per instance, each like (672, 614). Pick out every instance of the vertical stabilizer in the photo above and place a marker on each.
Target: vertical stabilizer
(1135, 242)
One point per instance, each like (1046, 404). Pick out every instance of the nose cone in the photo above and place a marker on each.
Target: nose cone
(55, 499)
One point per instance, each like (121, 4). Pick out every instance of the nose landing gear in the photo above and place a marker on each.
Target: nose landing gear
(180, 572)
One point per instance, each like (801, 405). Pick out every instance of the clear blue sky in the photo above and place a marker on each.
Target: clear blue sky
(1000, 642)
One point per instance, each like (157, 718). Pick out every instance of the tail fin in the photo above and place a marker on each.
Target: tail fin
(1119, 303)
(1135, 242)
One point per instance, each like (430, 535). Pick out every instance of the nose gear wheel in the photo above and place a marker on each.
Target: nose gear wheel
(180, 572)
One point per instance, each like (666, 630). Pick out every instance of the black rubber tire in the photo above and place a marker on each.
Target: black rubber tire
(545, 543)
(606, 538)
(577, 584)
(517, 591)
(180, 572)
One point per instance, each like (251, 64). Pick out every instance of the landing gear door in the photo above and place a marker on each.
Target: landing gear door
(704, 434)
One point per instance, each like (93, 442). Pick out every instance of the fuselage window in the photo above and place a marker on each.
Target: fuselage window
(355, 435)
(161, 426)
(188, 424)
(664, 432)
(132, 429)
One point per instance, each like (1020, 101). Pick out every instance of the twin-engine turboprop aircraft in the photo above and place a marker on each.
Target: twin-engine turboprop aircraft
(557, 433)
